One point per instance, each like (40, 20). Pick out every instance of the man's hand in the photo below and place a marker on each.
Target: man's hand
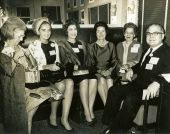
(129, 74)
(152, 90)
(125, 67)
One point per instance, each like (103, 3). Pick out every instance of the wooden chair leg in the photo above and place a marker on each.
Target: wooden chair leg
(145, 116)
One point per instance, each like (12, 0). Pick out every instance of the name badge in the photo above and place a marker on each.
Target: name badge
(122, 71)
(149, 66)
(154, 60)
(76, 50)
(80, 46)
(134, 50)
(52, 52)
(136, 45)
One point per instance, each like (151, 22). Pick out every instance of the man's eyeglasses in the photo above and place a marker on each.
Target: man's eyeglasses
(153, 34)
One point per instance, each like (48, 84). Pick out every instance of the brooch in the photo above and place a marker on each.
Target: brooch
(52, 45)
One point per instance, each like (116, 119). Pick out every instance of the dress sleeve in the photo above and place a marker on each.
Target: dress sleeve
(113, 58)
(57, 53)
(5, 65)
(64, 58)
(119, 55)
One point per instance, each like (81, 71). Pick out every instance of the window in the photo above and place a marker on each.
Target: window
(82, 16)
(52, 12)
(90, 1)
(74, 3)
(68, 4)
(93, 15)
(81, 2)
(23, 13)
(74, 15)
(100, 13)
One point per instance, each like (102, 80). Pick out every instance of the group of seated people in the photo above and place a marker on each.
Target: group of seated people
(52, 68)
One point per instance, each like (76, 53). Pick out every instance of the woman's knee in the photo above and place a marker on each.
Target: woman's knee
(69, 82)
(60, 85)
(84, 83)
(102, 80)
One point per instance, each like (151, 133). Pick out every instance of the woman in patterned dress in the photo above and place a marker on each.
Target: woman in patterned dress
(47, 57)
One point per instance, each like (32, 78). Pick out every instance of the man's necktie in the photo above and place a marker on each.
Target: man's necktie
(147, 58)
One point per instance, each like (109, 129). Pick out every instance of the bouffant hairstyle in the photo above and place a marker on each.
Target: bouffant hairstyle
(101, 24)
(131, 25)
(38, 23)
(10, 25)
(68, 23)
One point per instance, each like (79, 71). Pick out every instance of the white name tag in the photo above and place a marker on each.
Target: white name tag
(122, 71)
(149, 66)
(80, 46)
(52, 52)
(154, 60)
(134, 50)
(76, 50)
(136, 45)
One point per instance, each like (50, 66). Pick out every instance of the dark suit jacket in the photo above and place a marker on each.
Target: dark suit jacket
(147, 76)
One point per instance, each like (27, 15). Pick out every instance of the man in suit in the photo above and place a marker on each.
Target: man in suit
(152, 70)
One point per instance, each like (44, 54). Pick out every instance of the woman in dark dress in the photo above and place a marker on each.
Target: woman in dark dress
(104, 55)
(74, 57)
(47, 57)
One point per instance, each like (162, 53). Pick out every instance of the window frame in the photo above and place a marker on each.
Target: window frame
(23, 17)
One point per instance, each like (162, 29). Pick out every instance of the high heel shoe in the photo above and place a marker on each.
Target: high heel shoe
(90, 124)
(94, 120)
(52, 126)
(69, 131)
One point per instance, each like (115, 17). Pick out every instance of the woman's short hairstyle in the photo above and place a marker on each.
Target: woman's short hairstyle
(68, 23)
(101, 24)
(38, 23)
(131, 25)
(10, 25)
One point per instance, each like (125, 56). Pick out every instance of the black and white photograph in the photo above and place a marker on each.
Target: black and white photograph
(84, 67)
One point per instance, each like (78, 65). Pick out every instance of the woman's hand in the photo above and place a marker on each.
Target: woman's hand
(106, 72)
(18, 54)
(51, 67)
(33, 69)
